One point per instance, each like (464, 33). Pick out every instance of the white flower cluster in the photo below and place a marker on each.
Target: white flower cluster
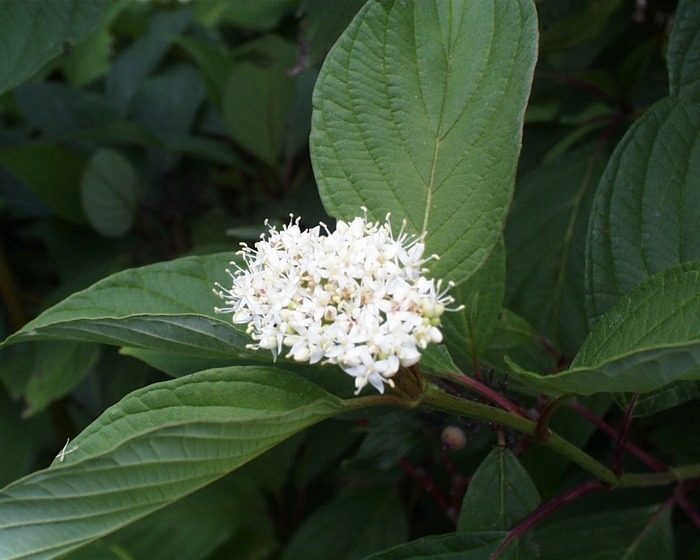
(356, 297)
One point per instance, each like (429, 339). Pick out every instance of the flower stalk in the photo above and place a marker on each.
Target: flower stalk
(436, 399)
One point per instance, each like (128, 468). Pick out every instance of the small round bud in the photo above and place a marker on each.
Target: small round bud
(453, 437)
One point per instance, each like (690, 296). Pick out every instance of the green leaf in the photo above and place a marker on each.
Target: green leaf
(35, 32)
(322, 23)
(167, 103)
(643, 216)
(261, 15)
(167, 306)
(327, 443)
(418, 111)
(456, 546)
(108, 190)
(672, 439)
(353, 526)
(16, 436)
(545, 240)
(587, 23)
(259, 97)
(511, 330)
(669, 396)
(683, 48)
(89, 59)
(204, 148)
(647, 206)
(142, 57)
(632, 534)
(391, 436)
(436, 359)
(500, 495)
(213, 61)
(157, 445)
(169, 533)
(649, 339)
(52, 173)
(468, 332)
(120, 132)
(56, 369)
(177, 365)
(60, 111)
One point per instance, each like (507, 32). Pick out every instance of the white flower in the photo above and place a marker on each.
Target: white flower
(356, 297)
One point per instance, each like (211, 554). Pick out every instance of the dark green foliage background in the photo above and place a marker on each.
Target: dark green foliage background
(141, 142)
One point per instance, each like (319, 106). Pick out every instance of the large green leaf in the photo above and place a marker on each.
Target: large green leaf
(500, 495)
(35, 32)
(168, 103)
(418, 111)
(142, 57)
(169, 532)
(647, 207)
(89, 59)
(649, 339)
(167, 306)
(468, 331)
(454, 546)
(545, 241)
(57, 367)
(321, 24)
(15, 435)
(52, 173)
(643, 216)
(669, 396)
(262, 15)
(157, 445)
(511, 330)
(109, 192)
(214, 63)
(60, 111)
(683, 48)
(631, 534)
(389, 439)
(258, 98)
(567, 24)
(351, 526)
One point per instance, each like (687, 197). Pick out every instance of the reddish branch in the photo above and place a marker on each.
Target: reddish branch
(485, 391)
(547, 510)
(624, 433)
(421, 477)
(681, 497)
(642, 455)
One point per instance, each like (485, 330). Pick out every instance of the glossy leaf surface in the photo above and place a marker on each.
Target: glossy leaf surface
(418, 111)
(155, 446)
(649, 339)
(166, 306)
(35, 32)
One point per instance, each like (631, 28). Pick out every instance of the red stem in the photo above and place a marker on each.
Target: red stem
(547, 510)
(575, 82)
(550, 349)
(419, 475)
(642, 455)
(459, 483)
(681, 497)
(624, 433)
(486, 392)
